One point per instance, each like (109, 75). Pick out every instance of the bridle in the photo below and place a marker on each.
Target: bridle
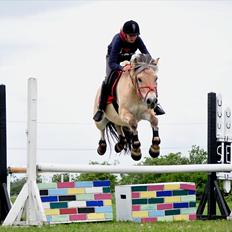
(134, 79)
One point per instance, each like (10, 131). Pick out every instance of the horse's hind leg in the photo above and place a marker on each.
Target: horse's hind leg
(154, 150)
(102, 144)
(135, 150)
(119, 146)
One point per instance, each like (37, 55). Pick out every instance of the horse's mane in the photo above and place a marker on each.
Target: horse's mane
(142, 61)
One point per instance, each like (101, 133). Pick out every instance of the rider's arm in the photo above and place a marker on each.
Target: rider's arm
(141, 46)
(114, 53)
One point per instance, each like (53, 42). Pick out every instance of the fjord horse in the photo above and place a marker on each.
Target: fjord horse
(136, 97)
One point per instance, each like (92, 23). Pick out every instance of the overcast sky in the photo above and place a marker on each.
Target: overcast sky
(63, 44)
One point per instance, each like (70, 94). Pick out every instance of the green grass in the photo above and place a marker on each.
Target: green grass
(198, 226)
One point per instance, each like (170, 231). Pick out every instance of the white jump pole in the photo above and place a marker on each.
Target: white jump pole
(27, 209)
(133, 169)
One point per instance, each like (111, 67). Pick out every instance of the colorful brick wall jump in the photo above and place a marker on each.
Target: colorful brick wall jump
(82, 201)
(158, 202)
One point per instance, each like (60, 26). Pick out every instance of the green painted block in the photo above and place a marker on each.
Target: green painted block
(191, 210)
(106, 190)
(109, 216)
(172, 212)
(139, 201)
(60, 218)
(188, 198)
(58, 205)
(156, 200)
(85, 197)
(138, 188)
(192, 204)
(148, 207)
(165, 218)
(47, 186)
(179, 192)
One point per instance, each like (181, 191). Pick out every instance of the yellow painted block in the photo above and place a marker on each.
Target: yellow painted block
(95, 216)
(181, 217)
(107, 202)
(172, 199)
(172, 186)
(140, 214)
(72, 191)
(147, 194)
(51, 211)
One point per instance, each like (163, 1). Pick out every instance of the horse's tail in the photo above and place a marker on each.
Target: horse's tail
(111, 132)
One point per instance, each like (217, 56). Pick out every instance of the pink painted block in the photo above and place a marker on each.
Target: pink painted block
(102, 196)
(66, 185)
(192, 217)
(164, 206)
(77, 217)
(155, 187)
(136, 207)
(148, 220)
(188, 186)
(135, 195)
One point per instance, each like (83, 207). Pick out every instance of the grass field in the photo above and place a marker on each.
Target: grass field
(196, 226)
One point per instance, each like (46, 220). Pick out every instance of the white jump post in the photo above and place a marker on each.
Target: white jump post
(27, 209)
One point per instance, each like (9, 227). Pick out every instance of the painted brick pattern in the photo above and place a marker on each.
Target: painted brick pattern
(77, 201)
(172, 201)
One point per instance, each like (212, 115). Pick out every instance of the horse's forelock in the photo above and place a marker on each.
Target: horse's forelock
(143, 61)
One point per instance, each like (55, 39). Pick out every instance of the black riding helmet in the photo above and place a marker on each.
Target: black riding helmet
(131, 28)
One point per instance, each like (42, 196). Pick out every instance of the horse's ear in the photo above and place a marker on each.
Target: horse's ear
(155, 61)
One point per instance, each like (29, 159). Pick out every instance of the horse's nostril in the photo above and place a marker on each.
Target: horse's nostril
(156, 100)
(148, 101)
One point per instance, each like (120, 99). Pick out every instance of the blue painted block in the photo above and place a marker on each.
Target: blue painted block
(103, 209)
(156, 213)
(163, 193)
(137, 220)
(181, 205)
(94, 203)
(99, 183)
(191, 192)
(49, 218)
(83, 184)
(57, 191)
(49, 199)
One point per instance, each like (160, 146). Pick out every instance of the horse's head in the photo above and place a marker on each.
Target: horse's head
(144, 76)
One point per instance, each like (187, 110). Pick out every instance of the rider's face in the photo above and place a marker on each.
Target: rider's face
(131, 38)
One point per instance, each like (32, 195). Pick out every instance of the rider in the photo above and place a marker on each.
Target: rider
(122, 47)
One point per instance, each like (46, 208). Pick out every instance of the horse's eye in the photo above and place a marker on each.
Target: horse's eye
(139, 80)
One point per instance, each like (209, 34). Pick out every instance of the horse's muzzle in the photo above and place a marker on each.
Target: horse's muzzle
(151, 102)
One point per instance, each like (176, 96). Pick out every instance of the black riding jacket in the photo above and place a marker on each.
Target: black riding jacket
(119, 50)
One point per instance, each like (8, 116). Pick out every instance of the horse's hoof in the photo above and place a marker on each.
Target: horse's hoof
(102, 147)
(154, 151)
(118, 147)
(136, 154)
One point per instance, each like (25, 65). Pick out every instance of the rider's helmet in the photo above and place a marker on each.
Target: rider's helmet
(131, 28)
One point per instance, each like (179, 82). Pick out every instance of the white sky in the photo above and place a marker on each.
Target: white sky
(63, 44)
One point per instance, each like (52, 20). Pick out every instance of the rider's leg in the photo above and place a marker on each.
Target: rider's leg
(102, 103)
(158, 109)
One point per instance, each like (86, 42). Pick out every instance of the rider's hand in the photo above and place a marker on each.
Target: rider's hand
(126, 68)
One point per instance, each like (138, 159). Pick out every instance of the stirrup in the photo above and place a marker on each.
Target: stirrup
(158, 110)
(98, 116)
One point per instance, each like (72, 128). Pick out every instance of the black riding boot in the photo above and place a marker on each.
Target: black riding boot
(158, 110)
(102, 104)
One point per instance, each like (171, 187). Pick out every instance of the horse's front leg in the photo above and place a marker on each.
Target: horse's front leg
(128, 118)
(154, 150)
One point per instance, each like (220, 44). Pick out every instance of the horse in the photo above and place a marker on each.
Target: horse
(136, 98)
